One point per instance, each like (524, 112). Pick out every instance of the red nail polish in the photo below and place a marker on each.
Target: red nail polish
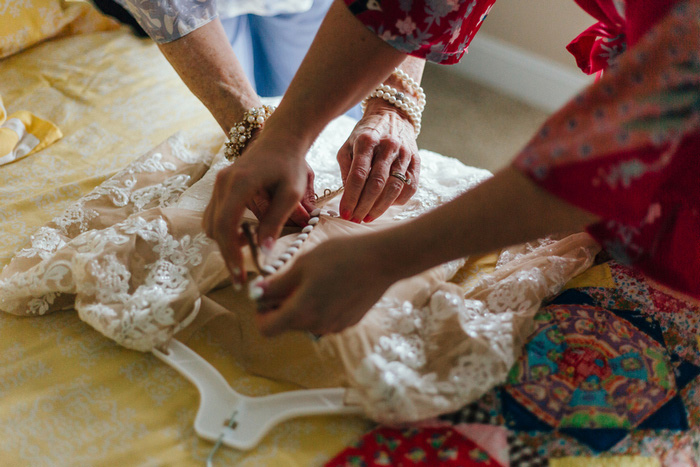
(355, 220)
(368, 219)
(345, 214)
(267, 245)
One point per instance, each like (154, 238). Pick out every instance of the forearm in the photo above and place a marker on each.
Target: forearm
(207, 65)
(345, 63)
(505, 210)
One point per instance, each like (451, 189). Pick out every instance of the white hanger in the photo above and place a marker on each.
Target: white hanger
(254, 416)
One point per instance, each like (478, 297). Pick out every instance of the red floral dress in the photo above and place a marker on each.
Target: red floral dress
(628, 147)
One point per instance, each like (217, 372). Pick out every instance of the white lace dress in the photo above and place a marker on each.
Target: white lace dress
(131, 259)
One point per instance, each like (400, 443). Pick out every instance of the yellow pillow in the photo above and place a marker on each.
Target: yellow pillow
(25, 23)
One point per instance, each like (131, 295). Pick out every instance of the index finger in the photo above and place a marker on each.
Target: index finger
(227, 208)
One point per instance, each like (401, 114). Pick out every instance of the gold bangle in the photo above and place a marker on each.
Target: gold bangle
(241, 132)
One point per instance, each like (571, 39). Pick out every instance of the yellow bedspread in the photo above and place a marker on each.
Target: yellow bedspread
(68, 395)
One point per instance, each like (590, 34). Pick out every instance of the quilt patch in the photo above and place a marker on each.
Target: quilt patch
(610, 376)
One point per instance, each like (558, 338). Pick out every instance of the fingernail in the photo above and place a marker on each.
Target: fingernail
(368, 219)
(355, 220)
(235, 277)
(256, 282)
(255, 293)
(345, 214)
(267, 245)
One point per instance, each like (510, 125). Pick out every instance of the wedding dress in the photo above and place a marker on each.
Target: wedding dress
(132, 260)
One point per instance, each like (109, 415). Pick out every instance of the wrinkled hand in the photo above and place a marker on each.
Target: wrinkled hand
(383, 141)
(273, 179)
(326, 290)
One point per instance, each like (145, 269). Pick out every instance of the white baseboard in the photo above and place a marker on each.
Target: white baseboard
(521, 74)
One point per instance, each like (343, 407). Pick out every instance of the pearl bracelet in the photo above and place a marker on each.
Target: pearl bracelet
(241, 132)
(397, 99)
(412, 84)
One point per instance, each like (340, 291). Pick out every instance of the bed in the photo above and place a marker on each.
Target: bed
(69, 396)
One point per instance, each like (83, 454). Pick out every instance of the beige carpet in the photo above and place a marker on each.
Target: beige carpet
(468, 121)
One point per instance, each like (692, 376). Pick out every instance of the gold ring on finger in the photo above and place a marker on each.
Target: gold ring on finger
(401, 177)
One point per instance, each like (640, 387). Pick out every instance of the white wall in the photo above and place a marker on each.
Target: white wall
(520, 51)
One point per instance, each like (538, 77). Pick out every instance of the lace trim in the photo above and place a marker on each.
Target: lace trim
(134, 311)
(399, 380)
(147, 318)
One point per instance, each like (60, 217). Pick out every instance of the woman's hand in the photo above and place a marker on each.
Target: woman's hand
(332, 286)
(327, 289)
(260, 203)
(383, 142)
(272, 177)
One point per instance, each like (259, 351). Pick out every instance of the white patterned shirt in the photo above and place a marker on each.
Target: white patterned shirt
(167, 20)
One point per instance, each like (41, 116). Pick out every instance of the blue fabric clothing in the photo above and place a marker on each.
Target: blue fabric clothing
(271, 48)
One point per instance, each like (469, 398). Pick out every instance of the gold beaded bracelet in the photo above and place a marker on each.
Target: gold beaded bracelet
(241, 132)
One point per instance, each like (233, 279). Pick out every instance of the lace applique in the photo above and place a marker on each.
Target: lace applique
(75, 215)
(147, 318)
(40, 305)
(78, 216)
(138, 319)
(518, 252)
(165, 194)
(130, 304)
(151, 164)
(120, 192)
(431, 358)
(180, 146)
(45, 242)
(94, 242)
(448, 179)
(117, 189)
(37, 289)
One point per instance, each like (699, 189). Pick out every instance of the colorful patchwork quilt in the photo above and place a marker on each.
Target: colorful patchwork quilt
(609, 377)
